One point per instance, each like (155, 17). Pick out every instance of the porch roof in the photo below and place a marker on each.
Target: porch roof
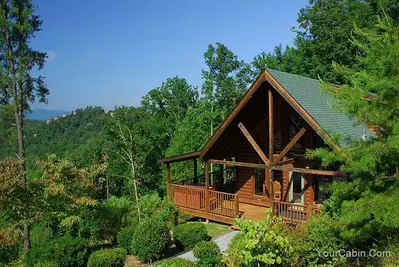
(191, 155)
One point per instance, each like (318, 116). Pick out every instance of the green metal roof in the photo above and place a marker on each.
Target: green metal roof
(308, 94)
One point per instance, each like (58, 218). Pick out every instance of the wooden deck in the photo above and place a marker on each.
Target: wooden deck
(253, 212)
(224, 207)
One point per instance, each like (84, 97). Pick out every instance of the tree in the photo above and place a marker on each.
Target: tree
(18, 25)
(225, 80)
(366, 204)
(323, 36)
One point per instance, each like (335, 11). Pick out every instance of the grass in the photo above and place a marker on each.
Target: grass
(215, 229)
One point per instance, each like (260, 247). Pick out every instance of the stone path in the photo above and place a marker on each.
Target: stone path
(222, 241)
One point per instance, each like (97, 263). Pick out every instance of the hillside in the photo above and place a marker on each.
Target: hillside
(45, 114)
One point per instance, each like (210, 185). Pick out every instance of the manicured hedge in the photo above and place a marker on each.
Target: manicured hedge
(186, 236)
(207, 253)
(107, 258)
(151, 239)
(175, 262)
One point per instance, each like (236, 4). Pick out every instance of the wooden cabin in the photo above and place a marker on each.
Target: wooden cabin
(260, 150)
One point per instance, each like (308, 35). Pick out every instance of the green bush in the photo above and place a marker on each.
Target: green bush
(233, 253)
(321, 233)
(46, 264)
(124, 238)
(175, 262)
(263, 243)
(70, 251)
(150, 240)
(186, 236)
(207, 253)
(152, 205)
(107, 258)
(63, 251)
(42, 249)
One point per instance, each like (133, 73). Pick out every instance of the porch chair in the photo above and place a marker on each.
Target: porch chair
(276, 191)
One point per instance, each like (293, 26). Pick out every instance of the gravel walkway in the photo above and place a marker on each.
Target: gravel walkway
(222, 241)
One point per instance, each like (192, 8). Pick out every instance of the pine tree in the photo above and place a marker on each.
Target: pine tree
(18, 25)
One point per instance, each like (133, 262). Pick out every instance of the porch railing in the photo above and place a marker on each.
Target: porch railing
(214, 202)
(294, 213)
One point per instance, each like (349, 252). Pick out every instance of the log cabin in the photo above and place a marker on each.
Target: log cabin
(260, 150)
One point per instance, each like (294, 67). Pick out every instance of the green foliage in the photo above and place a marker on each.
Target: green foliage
(113, 213)
(175, 262)
(124, 238)
(46, 264)
(262, 243)
(70, 251)
(321, 234)
(187, 235)
(107, 258)
(151, 239)
(152, 205)
(207, 253)
(64, 250)
(234, 256)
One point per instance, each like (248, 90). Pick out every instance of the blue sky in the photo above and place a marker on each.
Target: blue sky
(110, 53)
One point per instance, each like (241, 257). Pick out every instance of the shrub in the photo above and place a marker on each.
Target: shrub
(107, 258)
(112, 214)
(175, 262)
(150, 240)
(70, 251)
(186, 236)
(151, 205)
(320, 234)
(207, 253)
(46, 264)
(42, 249)
(124, 238)
(233, 253)
(263, 243)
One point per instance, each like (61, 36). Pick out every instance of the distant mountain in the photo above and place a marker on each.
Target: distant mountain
(45, 114)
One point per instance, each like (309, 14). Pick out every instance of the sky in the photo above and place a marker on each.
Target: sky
(111, 53)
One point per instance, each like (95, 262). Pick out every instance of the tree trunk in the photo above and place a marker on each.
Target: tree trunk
(135, 190)
(21, 155)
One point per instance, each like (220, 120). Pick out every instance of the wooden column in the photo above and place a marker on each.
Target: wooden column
(236, 206)
(195, 172)
(271, 150)
(207, 186)
(168, 180)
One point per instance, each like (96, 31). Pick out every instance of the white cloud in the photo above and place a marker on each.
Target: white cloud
(51, 55)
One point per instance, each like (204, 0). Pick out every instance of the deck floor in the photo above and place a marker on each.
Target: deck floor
(253, 212)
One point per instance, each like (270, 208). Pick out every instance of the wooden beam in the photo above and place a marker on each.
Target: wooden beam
(168, 180)
(271, 145)
(253, 143)
(238, 164)
(305, 115)
(206, 186)
(285, 162)
(310, 171)
(244, 100)
(289, 145)
(187, 156)
(195, 171)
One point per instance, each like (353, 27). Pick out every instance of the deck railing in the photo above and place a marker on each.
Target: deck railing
(214, 202)
(292, 212)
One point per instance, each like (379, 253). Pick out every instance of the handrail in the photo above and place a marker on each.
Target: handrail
(293, 212)
(210, 201)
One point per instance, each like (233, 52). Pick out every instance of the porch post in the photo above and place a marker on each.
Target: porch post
(168, 180)
(207, 186)
(271, 150)
(195, 172)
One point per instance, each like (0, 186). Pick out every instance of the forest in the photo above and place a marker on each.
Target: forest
(86, 189)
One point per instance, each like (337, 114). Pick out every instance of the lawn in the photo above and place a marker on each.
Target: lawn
(215, 229)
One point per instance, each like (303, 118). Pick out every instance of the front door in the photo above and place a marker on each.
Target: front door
(297, 188)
